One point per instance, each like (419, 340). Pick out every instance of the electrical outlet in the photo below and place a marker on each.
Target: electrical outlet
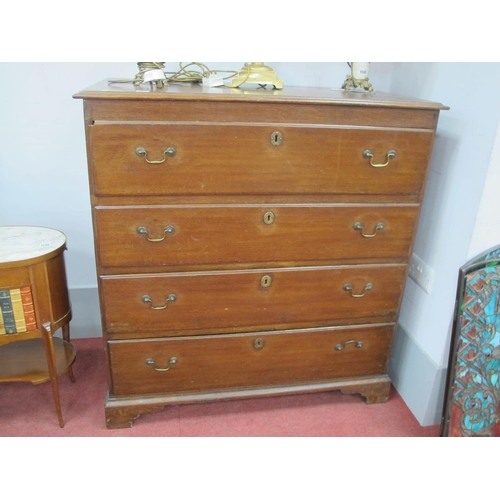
(421, 273)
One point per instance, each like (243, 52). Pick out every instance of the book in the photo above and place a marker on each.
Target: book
(18, 310)
(8, 316)
(2, 327)
(29, 309)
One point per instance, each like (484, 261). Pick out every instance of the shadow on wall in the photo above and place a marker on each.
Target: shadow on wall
(434, 219)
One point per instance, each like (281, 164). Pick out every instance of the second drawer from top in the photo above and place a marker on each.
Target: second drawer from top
(177, 237)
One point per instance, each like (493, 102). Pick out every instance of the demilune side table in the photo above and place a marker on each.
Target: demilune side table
(34, 304)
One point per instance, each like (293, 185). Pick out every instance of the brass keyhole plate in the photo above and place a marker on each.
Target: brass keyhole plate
(276, 138)
(258, 343)
(268, 217)
(266, 281)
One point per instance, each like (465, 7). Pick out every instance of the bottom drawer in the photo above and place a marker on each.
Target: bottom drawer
(153, 366)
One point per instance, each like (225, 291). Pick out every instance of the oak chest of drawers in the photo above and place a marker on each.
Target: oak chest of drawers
(251, 243)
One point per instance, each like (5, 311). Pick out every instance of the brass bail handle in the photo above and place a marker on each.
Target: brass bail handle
(340, 347)
(171, 361)
(171, 298)
(348, 288)
(359, 227)
(167, 230)
(369, 155)
(142, 152)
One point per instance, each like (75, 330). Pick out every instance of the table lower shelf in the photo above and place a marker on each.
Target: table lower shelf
(26, 361)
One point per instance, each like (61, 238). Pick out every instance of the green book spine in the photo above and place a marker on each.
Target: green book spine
(2, 327)
(8, 315)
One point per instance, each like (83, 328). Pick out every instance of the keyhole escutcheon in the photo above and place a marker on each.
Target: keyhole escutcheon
(258, 343)
(266, 281)
(268, 218)
(276, 138)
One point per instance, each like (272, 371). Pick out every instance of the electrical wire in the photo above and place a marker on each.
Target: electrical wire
(192, 72)
(139, 77)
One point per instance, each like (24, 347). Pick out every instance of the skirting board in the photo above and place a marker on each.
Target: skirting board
(418, 380)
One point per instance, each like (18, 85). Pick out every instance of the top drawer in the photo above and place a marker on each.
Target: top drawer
(232, 159)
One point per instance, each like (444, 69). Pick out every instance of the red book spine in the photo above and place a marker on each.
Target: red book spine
(29, 309)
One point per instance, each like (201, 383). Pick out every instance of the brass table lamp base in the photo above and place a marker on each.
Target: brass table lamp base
(257, 73)
(352, 83)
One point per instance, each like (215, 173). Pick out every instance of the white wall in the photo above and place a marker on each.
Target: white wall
(462, 156)
(458, 170)
(487, 227)
(42, 154)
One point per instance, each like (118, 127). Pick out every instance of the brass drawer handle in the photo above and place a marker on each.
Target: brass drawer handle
(369, 155)
(167, 230)
(171, 298)
(142, 152)
(348, 288)
(171, 361)
(340, 347)
(359, 227)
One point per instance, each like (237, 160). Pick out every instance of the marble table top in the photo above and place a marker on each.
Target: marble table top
(19, 243)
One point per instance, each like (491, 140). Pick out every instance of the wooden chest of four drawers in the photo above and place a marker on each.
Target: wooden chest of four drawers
(251, 243)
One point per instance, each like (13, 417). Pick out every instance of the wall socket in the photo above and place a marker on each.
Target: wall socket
(421, 273)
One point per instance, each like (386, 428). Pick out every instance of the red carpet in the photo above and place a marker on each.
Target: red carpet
(28, 410)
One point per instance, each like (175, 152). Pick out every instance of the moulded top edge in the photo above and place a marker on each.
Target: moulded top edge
(305, 95)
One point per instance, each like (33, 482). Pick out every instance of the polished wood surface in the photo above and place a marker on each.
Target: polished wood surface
(234, 159)
(304, 95)
(227, 301)
(228, 361)
(251, 238)
(205, 234)
(136, 111)
(26, 361)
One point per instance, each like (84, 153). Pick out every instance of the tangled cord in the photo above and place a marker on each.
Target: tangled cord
(139, 77)
(185, 74)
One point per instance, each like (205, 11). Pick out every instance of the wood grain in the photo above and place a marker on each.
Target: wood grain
(239, 159)
(219, 236)
(231, 301)
(229, 361)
